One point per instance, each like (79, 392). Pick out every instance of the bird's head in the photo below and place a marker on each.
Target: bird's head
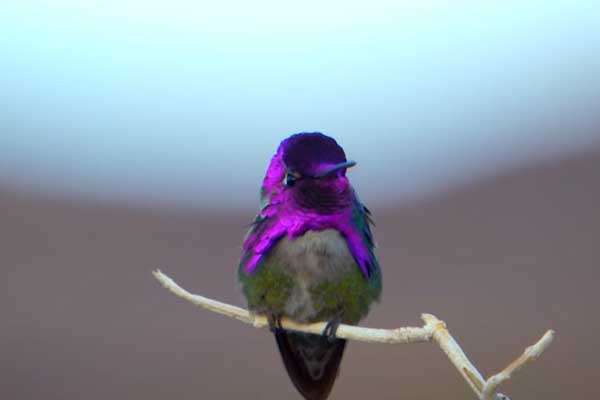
(309, 170)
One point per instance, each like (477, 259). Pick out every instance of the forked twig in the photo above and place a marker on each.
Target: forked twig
(433, 329)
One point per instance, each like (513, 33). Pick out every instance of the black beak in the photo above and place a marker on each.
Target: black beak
(337, 167)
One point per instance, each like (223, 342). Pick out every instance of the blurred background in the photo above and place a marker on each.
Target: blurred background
(134, 135)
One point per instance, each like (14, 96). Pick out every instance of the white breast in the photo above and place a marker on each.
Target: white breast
(313, 258)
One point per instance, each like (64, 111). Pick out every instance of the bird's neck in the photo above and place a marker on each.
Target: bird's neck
(324, 202)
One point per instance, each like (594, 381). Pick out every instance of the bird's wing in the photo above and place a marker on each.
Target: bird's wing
(263, 233)
(362, 221)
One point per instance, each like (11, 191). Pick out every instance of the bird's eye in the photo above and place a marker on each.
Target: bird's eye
(290, 179)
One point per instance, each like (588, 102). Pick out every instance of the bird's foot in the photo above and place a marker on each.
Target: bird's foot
(332, 327)
(274, 322)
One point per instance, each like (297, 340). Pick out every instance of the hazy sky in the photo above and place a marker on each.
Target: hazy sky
(184, 102)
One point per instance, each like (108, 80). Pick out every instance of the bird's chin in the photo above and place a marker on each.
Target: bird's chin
(323, 199)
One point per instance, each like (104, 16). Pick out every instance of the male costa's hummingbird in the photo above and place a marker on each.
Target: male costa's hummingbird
(309, 256)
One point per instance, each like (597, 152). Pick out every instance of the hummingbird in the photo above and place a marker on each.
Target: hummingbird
(309, 256)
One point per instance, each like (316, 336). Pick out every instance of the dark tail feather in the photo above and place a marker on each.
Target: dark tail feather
(312, 361)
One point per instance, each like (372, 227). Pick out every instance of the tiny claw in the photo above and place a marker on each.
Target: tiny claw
(274, 323)
(332, 327)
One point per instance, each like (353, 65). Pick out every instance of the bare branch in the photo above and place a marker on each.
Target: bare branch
(530, 354)
(370, 335)
(434, 329)
(456, 355)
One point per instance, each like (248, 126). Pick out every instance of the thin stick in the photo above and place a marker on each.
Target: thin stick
(530, 354)
(370, 335)
(455, 353)
(433, 329)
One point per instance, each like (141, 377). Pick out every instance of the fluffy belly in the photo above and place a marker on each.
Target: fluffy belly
(314, 259)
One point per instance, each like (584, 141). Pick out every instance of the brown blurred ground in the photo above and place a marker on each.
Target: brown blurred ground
(500, 260)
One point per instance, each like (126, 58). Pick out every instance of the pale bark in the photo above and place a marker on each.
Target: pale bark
(433, 330)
